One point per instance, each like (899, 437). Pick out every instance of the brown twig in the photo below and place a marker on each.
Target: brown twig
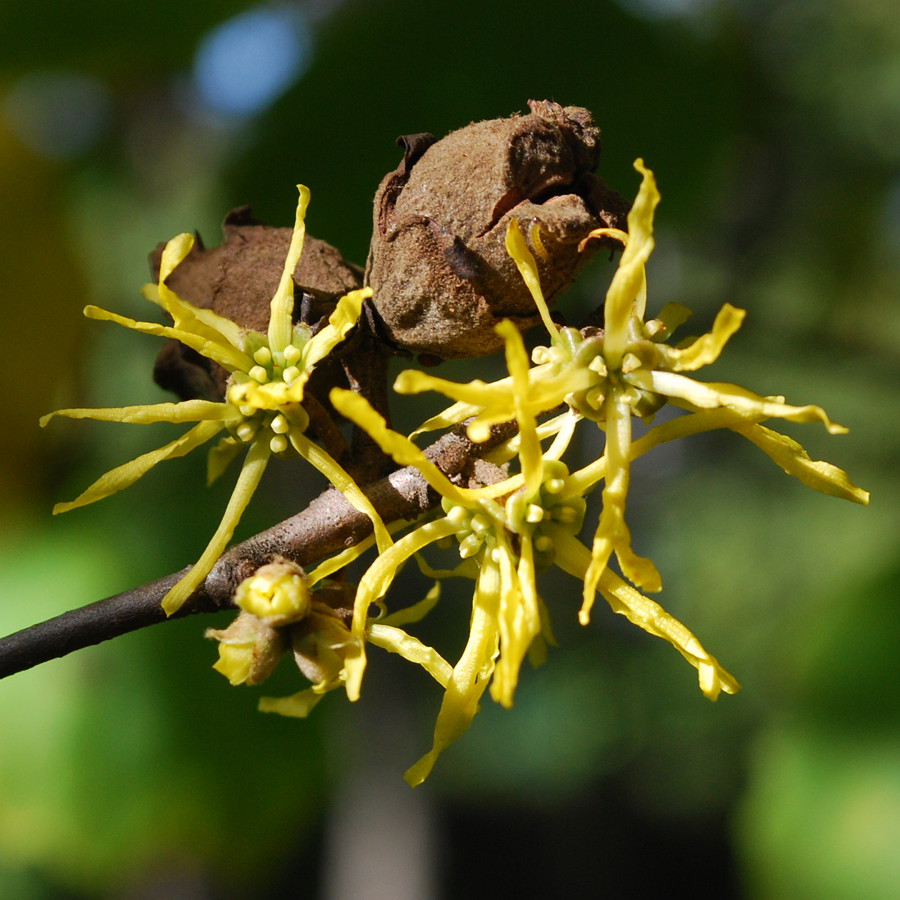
(327, 525)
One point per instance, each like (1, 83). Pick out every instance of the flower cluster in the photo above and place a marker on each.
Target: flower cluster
(509, 527)
(263, 412)
(509, 530)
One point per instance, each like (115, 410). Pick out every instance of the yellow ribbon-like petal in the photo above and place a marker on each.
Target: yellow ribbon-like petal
(335, 473)
(359, 411)
(374, 584)
(281, 309)
(128, 473)
(470, 676)
(627, 293)
(519, 618)
(251, 472)
(206, 343)
(395, 640)
(573, 557)
(220, 457)
(650, 616)
(297, 706)
(612, 532)
(711, 395)
(344, 317)
(706, 348)
(187, 317)
(416, 612)
(530, 453)
(525, 262)
(186, 411)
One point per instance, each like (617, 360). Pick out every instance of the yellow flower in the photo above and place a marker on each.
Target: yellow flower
(507, 532)
(263, 409)
(507, 614)
(605, 376)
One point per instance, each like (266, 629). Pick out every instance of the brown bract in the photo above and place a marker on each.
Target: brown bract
(438, 265)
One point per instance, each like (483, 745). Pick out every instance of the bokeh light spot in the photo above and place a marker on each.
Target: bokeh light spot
(247, 62)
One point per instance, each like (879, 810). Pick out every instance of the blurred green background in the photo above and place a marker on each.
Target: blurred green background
(133, 770)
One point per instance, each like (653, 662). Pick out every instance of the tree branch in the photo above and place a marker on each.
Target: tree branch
(326, 526)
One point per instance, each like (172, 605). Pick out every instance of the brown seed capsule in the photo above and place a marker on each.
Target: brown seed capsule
(438, 265)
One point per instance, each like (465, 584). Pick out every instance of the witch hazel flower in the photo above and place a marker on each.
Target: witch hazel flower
(507, 532)
(635, 373)
(263, 413)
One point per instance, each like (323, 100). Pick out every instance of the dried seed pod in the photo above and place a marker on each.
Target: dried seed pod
(438, 264)
(237, 280)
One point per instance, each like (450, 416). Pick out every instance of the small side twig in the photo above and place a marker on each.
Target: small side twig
(327, 525)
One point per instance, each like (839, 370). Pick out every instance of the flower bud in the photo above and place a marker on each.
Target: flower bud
(277, 593)
(249, 649)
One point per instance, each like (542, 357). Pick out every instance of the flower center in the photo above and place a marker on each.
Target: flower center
(553, 507)
(267, 396)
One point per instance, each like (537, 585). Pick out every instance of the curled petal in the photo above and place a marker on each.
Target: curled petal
(344, 317)
(705, 349)
(650, 616)
(793, 459)
(522, 257)
(374, 584)
(627, 293)
(615, 233)
(395, 640)
(185, 315)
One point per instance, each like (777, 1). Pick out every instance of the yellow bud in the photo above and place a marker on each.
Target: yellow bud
(277, 593)
(249, 649)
